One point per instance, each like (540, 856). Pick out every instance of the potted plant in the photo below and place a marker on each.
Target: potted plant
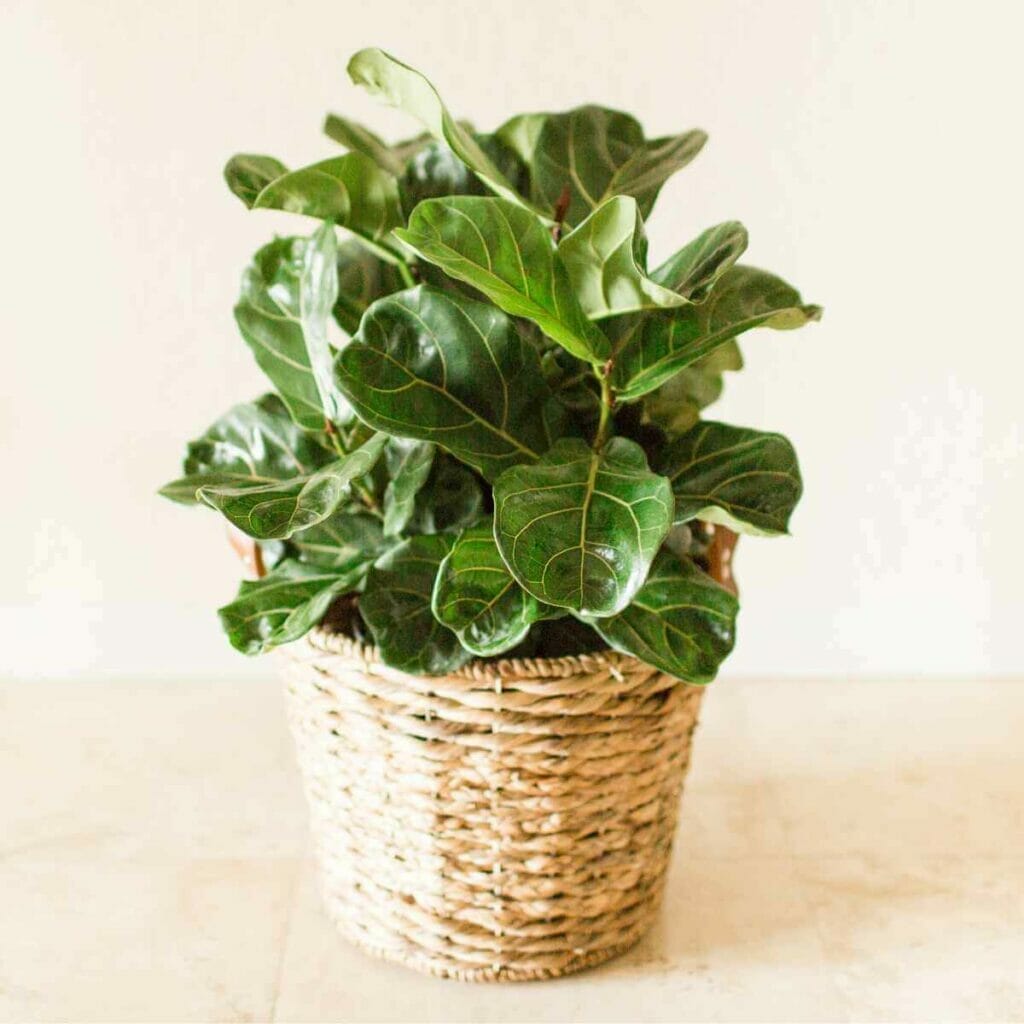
(488, 524)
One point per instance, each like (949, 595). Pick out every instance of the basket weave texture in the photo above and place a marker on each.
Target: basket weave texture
(510, 821)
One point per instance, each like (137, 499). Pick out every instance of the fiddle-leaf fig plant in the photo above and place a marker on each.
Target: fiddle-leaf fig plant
(486, 428)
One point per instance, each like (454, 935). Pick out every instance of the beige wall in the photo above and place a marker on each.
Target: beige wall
(871, 148)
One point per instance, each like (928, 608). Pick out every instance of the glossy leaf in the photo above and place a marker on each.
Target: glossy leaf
(248, 174)
(254, 443)
(745, 479)
(601, 256)
(396, 606)
(318, 292)
(676, 405)
(284, 605)
(651, 347)
(401, 86)
(505, 253)
(579, 529)
(478, 598)
(600, 153)
(680, 621)
(269, 317)
(693, 271)
(438, 367)
(349, 535)
(351, 190)
(278, 510)
(362, 279)
(409, 465)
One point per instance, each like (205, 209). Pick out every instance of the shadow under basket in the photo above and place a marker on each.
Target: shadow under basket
(508, 822)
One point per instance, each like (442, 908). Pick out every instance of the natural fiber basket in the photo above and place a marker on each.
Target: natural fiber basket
(510, 821)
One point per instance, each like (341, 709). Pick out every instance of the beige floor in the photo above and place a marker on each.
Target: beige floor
(848, 851)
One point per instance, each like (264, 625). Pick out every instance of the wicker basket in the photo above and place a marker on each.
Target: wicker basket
(507, 822)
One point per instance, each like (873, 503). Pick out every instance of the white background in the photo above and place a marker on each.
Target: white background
(872, 149)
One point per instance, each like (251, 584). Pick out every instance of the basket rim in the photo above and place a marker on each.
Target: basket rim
(333, 640)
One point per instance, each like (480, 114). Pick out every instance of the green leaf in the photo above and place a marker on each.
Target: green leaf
(680, 621)
(478, 598)
(451, 499)
(677, 404)
(284, 605)
(278, 510)
(362, 279)
(601, 258)
(579, 529)
(254, 443)
(359, 139)
(600, 153)
(318, 292)
(505, 253)
(745, 479)
(520, 134)
(443, 368)
(651, 347)
(349, 535)
(269, 315)
(693, 271)
(396, 606)
(248, 174)
(351, 190)
(401, 86)
(409, 465)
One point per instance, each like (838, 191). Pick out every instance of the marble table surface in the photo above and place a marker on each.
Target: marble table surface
(848, 851)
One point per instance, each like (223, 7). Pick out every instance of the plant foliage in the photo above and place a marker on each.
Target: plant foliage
(486, 420)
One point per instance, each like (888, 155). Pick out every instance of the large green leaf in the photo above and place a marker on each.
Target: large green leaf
(676, 405)
(254, 443)
(278, 510)
(693, 271)
(478, 598)
(598, 153)
(285, 604)
(350, 535)
(401, 86)
(579, 528)
(362, 279)
(601, 256)
(505, 252)
(439, 367)
(745, 479)
(351, 190)
(409, 465)
(680, 621)
(396, 607)
(318, 292)
(269, 315)
(651, 347)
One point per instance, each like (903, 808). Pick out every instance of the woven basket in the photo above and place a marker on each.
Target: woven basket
(510, 821)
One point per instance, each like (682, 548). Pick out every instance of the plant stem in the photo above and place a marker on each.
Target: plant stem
(406, 274)
(607, 404)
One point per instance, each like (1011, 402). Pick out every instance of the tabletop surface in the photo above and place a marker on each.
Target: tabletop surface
(847, 851)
